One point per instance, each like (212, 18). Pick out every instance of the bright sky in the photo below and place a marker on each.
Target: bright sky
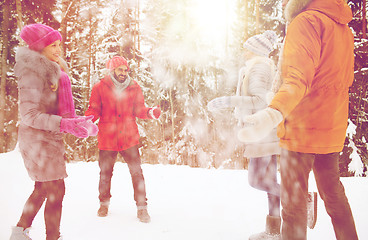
(214, 18)
(197, 29)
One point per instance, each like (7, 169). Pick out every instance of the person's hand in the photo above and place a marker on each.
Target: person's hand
(259, 125)
(219, 103)
(155, 112)
(90, 126)
(72, 126)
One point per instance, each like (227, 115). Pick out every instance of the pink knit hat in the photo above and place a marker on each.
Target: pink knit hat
(39, 36)
(116, 62)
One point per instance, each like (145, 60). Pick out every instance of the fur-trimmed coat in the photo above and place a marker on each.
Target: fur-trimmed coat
(40, 141)
(317, 70)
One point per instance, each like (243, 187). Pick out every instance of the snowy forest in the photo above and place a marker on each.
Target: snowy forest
(183, 54)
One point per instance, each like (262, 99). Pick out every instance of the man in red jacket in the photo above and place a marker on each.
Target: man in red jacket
(117, 100)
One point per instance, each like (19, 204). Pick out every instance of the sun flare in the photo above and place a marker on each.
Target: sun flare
(214, 18)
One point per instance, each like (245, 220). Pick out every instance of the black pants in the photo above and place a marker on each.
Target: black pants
(107, 161)
(54, 192)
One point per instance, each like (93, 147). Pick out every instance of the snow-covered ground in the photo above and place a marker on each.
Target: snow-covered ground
(184, 203)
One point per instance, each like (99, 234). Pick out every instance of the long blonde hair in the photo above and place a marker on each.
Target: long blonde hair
(64, 66)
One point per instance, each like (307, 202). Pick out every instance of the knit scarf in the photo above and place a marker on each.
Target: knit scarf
(118, 85)
(65, 98)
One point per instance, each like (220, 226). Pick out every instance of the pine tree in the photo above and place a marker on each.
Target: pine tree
(4, 68)
(31, 12)
(358, 93)
(9, 92)
(176, 67)
(186, 67)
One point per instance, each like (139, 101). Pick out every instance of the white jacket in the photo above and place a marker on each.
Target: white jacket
(255, 81)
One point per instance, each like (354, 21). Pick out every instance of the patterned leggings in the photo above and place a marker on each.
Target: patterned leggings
(262, 175)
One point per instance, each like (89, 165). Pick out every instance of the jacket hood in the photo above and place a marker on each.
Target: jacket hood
(338, 10)
(28, 61)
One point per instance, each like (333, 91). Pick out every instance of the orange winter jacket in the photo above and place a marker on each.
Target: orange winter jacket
(317, 71)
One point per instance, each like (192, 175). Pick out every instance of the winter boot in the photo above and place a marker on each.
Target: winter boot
(142, 214)
(104, 209)
(312, 209)
(19, 233)
(272, 231)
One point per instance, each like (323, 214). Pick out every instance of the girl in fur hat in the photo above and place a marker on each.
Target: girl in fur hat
(47, 111)
(255, 80)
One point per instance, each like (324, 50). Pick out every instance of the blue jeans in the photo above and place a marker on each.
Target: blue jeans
(107, 161)
(262, 175)
(54, 192)
(295, 168)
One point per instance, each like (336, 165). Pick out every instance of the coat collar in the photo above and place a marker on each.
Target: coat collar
(294, 7)
(338, 10)
(28, 61)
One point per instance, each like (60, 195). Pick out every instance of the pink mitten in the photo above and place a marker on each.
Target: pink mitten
(90, 126)
(71, 125)
(155, 112)
(85, 118)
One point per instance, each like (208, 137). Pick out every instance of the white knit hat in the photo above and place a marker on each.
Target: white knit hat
(261, 44)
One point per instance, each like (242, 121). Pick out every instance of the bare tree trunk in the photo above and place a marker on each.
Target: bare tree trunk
(63, 26)
(4, 70)
(138, 30)
(133, 30)
(19, 15)
(92, 25)
(172, 116)
(364, 18)
(257, 16)
(66, 5)
(89, 57)
(246, 19)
